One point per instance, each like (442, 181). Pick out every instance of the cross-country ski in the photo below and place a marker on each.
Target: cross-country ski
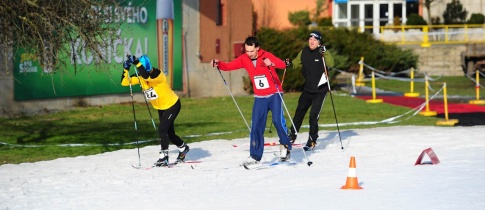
(170, 165)
(268, 165)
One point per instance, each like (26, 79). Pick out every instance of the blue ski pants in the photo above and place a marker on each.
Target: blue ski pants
(259, 116)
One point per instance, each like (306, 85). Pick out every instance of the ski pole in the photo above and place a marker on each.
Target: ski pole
(225, 83)
(148, 108)
(146, 101)
(309, 163)
(282, 81)
(331, 99)
(136, 127)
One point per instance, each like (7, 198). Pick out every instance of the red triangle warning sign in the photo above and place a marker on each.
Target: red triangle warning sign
(432, 156)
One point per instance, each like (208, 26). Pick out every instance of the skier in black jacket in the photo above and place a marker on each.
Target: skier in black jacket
(315, 88)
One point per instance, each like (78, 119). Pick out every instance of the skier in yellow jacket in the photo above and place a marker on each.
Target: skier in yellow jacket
(161, 96)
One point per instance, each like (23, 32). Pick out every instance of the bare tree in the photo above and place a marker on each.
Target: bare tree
(55, 31)
(321, 7)
(427, 4)
(267, 14)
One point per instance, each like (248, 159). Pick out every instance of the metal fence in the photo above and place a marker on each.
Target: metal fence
(427, 35)
(436, 34)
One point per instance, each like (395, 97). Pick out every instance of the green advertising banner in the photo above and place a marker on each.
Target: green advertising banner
(142, 33)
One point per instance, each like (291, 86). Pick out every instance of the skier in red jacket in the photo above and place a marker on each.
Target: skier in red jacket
(260, 66)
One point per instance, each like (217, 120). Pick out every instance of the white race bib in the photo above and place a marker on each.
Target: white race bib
(150, 94)
(261, 82)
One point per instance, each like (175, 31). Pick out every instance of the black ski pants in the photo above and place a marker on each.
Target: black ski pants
(166, 128)
(307, 100)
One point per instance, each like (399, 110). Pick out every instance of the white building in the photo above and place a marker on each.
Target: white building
(375, 13)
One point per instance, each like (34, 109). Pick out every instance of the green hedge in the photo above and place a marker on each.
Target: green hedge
(347, 47)
(476, 18)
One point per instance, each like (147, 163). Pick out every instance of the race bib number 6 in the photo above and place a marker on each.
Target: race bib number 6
(150, 94)
(261, 82)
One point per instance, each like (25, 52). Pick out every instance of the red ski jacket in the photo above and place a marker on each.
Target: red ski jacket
(264, 78)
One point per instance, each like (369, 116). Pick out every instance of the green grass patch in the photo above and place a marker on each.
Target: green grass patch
(109, 128)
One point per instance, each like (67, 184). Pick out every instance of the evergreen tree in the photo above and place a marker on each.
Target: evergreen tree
(299, 18)
(454, 13)
(476, 18)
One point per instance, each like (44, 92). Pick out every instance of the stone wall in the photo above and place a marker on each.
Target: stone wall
(439, 60)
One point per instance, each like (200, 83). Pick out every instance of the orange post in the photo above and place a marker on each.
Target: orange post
(352, 182)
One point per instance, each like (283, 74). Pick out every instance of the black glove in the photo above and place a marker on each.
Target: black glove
(288, 62)
(127, 65)
(214, 63)
(132, 59)
(322, 49)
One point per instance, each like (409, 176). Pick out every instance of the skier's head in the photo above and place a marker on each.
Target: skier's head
(316, 35)
(314, 40)
(251, 46)
(145, 62)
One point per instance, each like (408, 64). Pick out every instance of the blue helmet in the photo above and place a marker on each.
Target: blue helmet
(145, 62)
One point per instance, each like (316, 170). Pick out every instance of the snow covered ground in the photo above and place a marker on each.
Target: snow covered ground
(385, 160)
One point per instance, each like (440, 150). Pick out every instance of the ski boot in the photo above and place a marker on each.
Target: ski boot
(183, 150)
(284, 153)
(250, 162)
(163, 160)
(310, 145)
(292, 138)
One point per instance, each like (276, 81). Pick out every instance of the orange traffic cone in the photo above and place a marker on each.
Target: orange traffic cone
(352, 183)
